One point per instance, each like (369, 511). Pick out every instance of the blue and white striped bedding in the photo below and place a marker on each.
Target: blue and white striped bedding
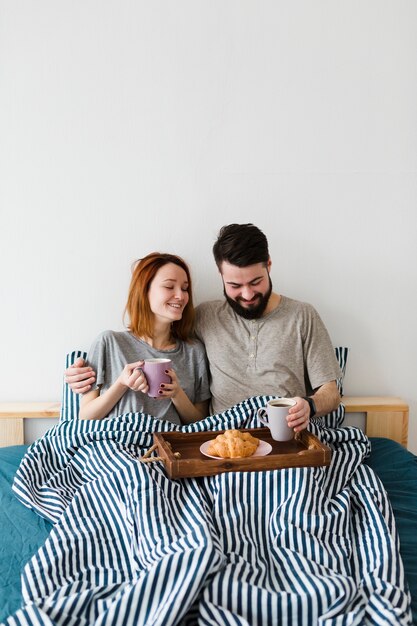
(300, 546)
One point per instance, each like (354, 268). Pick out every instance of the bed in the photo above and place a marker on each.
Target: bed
(219, 560)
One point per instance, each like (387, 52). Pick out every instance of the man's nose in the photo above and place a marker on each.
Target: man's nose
(247, 293)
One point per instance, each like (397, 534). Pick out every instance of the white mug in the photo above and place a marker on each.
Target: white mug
(277, 411)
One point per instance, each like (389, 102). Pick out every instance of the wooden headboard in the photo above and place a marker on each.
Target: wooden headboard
(385, 416)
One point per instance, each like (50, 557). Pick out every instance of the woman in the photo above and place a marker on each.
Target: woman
(161, 319)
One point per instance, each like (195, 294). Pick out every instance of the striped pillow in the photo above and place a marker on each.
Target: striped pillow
(341, 356)
(336, 417)
(71, 401)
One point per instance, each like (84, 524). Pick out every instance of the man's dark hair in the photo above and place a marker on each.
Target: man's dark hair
(241, 245)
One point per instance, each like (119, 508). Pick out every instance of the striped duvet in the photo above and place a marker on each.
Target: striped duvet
(300, 546)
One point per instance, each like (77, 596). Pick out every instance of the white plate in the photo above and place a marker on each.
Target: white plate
(263, 449)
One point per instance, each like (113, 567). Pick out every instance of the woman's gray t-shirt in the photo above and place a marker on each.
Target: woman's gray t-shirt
(112, 350)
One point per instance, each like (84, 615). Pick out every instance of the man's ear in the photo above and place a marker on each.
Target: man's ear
(269, 264)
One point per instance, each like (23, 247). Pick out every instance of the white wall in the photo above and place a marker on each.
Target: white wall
(128, 127)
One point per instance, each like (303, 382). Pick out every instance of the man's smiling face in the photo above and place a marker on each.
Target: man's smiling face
(247, 289)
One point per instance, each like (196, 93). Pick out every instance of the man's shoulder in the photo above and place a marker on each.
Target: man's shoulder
(209, 308)
(296, 305)
(207, 316)
(209, 304)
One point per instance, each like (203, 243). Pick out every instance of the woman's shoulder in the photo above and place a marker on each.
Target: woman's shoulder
(112, 336)
(194, 346)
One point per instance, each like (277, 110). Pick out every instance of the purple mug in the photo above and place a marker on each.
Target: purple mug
(154, 370)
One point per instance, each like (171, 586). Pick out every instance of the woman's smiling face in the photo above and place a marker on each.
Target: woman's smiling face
(168, 293)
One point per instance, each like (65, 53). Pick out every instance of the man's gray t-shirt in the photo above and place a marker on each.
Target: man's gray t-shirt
(287, 352)
(111, 351)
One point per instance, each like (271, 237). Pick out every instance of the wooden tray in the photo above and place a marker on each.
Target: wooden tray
(305, 451)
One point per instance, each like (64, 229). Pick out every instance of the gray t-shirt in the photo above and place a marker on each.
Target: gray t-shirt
(111, 351)
(285, 353)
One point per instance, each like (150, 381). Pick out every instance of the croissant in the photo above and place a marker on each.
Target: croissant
(233, 444)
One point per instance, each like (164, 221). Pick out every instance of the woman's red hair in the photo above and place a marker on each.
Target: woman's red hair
(137, 306)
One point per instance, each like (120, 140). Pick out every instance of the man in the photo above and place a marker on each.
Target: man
(258, 342)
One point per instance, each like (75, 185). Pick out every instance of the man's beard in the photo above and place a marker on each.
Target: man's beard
(255, 311)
